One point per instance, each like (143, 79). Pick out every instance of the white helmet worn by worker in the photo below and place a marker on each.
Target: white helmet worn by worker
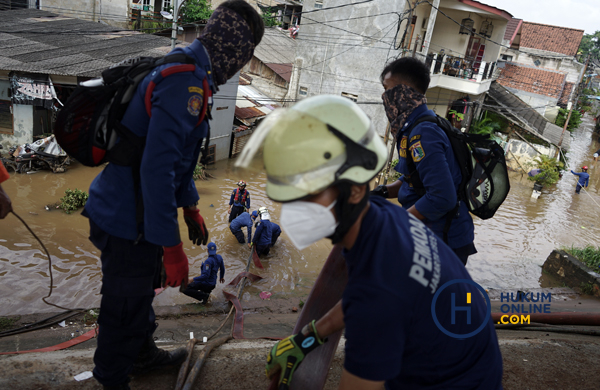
(264, 213)
(318, 142)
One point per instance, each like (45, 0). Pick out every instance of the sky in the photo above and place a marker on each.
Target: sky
(581, 14)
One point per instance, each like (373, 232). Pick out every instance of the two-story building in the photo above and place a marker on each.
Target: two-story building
(540, 66)
(343, 50)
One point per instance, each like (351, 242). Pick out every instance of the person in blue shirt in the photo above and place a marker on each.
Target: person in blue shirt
(239, 201)
(167, 111)
(244, 219)
(584, 179)
(201, 286)
(399, 271)
(435, 203)
(266, 233)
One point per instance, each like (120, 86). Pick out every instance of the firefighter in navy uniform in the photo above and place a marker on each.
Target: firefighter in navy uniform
(393, 260)
(132, 252)
(239, 201)
(266, 233)
(201, 286)
(434, 199)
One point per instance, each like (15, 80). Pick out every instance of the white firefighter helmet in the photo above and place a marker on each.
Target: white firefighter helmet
(320, 141)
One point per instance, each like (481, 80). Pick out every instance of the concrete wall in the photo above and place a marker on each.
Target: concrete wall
(113, 12)
(223, 112)
(338, 53)
(22, 121)
(520, 156)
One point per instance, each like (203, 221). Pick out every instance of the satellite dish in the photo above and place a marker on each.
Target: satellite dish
(166, 15)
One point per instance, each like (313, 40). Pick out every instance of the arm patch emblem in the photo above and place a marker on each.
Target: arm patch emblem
(415, 138)
(403, 143)
(194, 105)
(416, 151)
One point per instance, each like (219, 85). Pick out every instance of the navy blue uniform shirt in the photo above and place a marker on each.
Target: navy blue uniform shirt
(584, 178)
(440, 173)
(394, 269)
(239, 203)
(263, 233)
(240, 221)
(173, 144)
(210, 267)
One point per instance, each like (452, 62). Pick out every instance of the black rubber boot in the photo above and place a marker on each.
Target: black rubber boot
(151, 357)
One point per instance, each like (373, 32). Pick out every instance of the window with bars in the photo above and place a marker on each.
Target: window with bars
(319, 4)
(6, 117)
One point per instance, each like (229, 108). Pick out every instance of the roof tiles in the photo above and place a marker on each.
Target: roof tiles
(556, 39)
(538, 81)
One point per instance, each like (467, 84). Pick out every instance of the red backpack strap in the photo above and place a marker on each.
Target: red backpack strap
(173, 70)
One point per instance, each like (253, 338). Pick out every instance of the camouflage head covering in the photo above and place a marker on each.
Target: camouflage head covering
(229, 42)
(399, 103)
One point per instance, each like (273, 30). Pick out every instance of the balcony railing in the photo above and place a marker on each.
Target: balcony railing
(459, 67)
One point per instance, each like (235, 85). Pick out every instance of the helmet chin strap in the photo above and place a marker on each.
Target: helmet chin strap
(346, 212)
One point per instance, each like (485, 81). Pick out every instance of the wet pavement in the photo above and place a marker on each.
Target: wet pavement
(512, 246)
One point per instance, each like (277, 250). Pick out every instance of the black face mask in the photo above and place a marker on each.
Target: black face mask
(345, 212)
(399, 102)
(229, 42)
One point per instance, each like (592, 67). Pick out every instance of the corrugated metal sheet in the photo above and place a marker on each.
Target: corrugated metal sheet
(248, 112)
(276, 47)
(36, 41)
(283, 70)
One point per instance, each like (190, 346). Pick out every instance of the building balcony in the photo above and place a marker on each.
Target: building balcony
(460, 74)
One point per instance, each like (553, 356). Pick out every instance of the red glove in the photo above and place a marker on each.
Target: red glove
(176, 265)
(197, 231)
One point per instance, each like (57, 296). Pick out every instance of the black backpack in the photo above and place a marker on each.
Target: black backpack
(88, 125)
(485, 182)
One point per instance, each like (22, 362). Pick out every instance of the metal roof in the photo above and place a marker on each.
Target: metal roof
(276, 47)
(283, 70)
(38, 41)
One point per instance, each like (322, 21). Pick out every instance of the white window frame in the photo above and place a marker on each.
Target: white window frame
(303, 91)
(166, 4)
(319, 4)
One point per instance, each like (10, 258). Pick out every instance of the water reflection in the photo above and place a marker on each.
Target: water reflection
(76, 265)
(516, 242)
(512, 246)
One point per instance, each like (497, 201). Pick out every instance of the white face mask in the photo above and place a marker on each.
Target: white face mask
(307, 222)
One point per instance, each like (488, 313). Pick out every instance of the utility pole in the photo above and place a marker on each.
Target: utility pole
(570, 107)
(176, 5)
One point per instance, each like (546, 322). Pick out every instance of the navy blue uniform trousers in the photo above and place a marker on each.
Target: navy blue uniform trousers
(129, 275)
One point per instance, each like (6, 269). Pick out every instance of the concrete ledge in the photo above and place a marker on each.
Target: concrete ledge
(571, 271)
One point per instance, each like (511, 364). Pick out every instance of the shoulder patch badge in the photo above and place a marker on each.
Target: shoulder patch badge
(196, 90)
(414, 138)
(194, 105)
(403, 143)
(417, 152)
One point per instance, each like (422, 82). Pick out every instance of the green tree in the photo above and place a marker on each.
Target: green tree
(195, 10)
(574, 121)
(549, 171)
(485, 126)
(590, 45)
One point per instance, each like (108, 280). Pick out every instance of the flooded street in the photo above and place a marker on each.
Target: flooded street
(512, 246)
(515, 243)
(76, 263)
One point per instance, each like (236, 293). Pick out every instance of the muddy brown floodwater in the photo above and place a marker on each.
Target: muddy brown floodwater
(24, 277)
(512, 246)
